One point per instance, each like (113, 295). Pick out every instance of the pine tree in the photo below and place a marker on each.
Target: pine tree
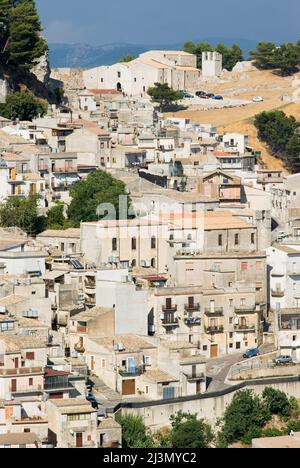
(26, 44)
(5, 9)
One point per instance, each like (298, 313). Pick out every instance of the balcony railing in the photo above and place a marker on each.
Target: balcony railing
(215, 311)
(192, 307)
(213, 330)
(245, 327)
(245, 310)
(132, 371)
(22, 371)
(172, 308)
(195, 376)
(170, 322)
(192, 321)
(277, 293)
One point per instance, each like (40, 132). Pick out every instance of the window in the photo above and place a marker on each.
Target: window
(231, 345)
(147, 360)
(79, 417)
(204, 348)
(294, 338)
(119, 74)
(114, 244)
(231, 321)
(253, 238)
(236, 239)
(153, 263)
(147, 390)
(231, 335)
(133, 243)
(230, 302)
(168, 393)
(220, 240)
(153, 242)
(244, 266)
(30, 382)
(238, 345)
(30, 356)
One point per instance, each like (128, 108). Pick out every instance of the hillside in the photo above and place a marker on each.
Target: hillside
(275, 90)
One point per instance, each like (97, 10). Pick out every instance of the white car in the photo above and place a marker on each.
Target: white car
(258, 99)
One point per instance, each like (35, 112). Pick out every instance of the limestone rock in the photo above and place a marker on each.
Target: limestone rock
(42, 69)
(242, 67)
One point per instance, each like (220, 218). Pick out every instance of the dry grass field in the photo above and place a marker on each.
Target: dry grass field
(246, 85)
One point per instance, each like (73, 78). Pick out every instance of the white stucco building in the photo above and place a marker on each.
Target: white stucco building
(177, 68)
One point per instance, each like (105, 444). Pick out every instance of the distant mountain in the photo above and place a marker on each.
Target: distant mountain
(87, 56)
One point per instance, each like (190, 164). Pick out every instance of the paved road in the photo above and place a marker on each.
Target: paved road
(217, 370)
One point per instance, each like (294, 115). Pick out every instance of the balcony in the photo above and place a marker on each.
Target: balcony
(245, 310)
(277, 293)
(215, 311)
(171, 309)
(168, 322)
(214, 330)
(192, 321)
(195, 376)
(244, 327)
(192, 307)
(22, 371)
(132, 372)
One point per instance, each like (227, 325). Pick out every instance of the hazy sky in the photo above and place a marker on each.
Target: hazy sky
(167, 21)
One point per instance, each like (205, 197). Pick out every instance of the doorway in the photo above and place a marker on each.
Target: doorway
(128, 387)
(79, 440)
(214, 351)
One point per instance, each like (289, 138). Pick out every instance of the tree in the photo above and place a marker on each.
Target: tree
(286, 58)
(26, 44)
(88, 195)
(244, 417)
(5, 9)
(127, 58)
(231, 55)
(22, 106)
(55, 217)
(164, 95)
(276, 401)
(197, 49)
(280, 132)
(134, 433)
(263, 55)
(188, 432)
(22, 213)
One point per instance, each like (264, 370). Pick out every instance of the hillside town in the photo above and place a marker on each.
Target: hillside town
(173, 307)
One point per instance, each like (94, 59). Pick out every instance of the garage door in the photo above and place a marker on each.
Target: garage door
(128, 387)
(214, 351)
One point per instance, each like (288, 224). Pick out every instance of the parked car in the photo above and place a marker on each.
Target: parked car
(210, 95)
(200, 93)
(218, 98)
(283, 360)
(250, 353)
(258, 99)
(187, 95)
(204, 96)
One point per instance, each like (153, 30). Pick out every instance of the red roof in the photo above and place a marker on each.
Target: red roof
(104, 91)
(52, 372)
(154, 278)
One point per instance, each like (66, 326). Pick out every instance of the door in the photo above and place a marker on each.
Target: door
(128, 387)
(198, 386)
(79, 440)
(191, 302)
(14, 385)
(16, 363)
(168, 304)
(214, 351)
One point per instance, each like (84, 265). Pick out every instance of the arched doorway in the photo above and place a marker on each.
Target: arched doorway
(119, 87)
